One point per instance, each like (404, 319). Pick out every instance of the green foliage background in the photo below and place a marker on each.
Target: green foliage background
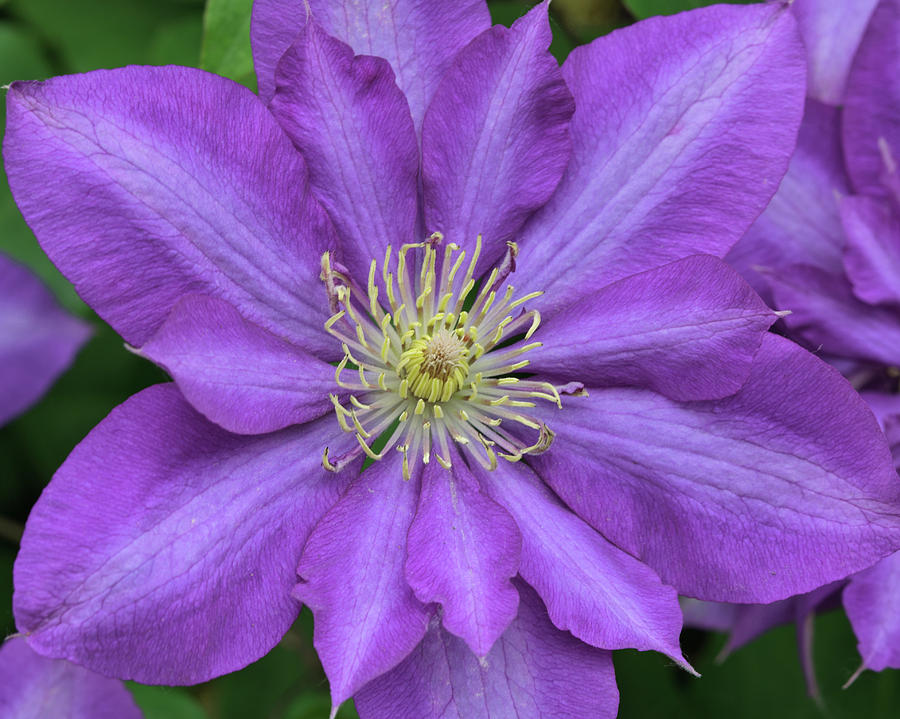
(40, 38)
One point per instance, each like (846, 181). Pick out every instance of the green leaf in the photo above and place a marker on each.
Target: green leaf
(226, 40)
(762, 679)
(166, 702)
(88, 34)
(177, 42)
(315, 705)
(647, 8)
(21, 57)
(309, 706)
(258, 689)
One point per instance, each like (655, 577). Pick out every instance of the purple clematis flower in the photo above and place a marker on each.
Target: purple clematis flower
(326, 270)
(35, 687)
(828, 250)
(38, 339)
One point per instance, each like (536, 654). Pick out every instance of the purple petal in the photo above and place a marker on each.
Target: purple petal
(352, 124)
(872, 254)
(162, 531)
(829, 318)
(711, 616)
(688, 330)
(274, 25)
(776, 490)
(591, 588)
(144, 184)
(872, 104)
(238, 375)
(495, 140)
(533, 671)
(872, 602)
(38, 339)
(754, 620)
(748, 621)
(831, 32)
(802, 224)
(463, 549)
(419, 39)
(683, 128)
(887, 410)
(34, 687)
(367, 619)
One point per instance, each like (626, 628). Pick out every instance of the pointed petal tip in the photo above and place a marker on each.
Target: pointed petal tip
(684, 664)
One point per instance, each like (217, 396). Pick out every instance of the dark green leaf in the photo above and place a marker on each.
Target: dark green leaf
(166, 702)
(226, 40)
(646, 8)
(90, 34)
(177, 42)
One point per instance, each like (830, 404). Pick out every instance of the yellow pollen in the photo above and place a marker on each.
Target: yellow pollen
(428, 358)
(435, 366)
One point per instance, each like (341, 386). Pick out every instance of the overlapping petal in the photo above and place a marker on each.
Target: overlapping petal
(712, 616)
(533, 671)
(688, 330)
(351, 122)
(871, 117)
(831, 32)
(237, 374)
(495, 140)
(274, 25)
(802, 224)
(165, 549)
(872, 253)
(827, 315)
(463, 549)
(754, 620)
(591, 588)
(872, 602)
(419, 39)
(684, 126)
(746, 499)
(140, 198)
(887, 410)
(34, 687)
(367, 617)
(38, 339)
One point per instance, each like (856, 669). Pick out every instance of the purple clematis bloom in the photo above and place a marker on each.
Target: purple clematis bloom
(38, 339)
(35, 687)
(828, 250)
(326, 272)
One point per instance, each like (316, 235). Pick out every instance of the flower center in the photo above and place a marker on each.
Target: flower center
(436, 362)
(435, 365)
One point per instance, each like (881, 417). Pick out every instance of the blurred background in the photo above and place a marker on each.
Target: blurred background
(40, 38)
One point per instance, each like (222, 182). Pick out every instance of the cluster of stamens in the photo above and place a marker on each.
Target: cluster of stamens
(436, 362)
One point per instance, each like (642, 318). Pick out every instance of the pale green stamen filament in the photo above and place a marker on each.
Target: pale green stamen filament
(428, 366)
